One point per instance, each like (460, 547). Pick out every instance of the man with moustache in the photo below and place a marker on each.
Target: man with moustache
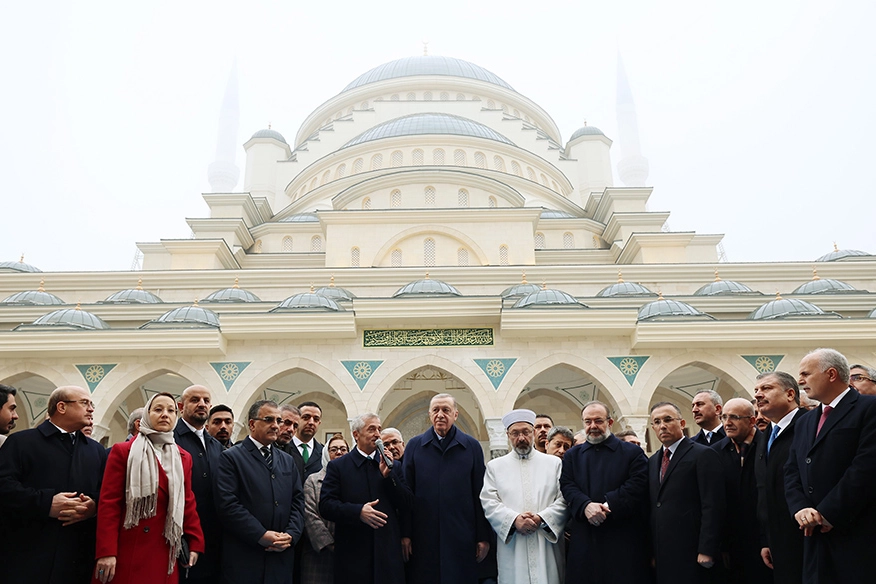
(560, 439)
(738, 454)
(8, 415)
(605, 483)
(543, 425)
(220, 424)
(285, 442)
(522, 501)
(192, 436)
(50, 480)
(444, 468)
(706, 408)
(831, 471)
(778, 398)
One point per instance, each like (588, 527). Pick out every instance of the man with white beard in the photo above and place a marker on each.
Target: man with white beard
(523, 503)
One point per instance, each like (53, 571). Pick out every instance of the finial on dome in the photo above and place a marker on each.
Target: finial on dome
(78, 305)
(585, 123)
(544, 285)
(269, 125)
(139, 283)
(21, 259)
(425, 48)
(717, 277)
(659, 294)
(835, 248)
(332, 281)
(620, 277)
(815, 273)
(778, 295)
(427, 275)
(236, 282)
(311, 288)
(523, 281)
(196, 302)
(42, 285)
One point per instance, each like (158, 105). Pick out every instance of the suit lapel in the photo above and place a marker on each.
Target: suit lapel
(683, 448)
(833, 418)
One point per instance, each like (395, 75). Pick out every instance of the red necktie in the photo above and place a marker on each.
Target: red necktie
(825, 411)
(664, 464)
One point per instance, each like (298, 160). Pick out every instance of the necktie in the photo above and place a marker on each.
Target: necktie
(773, 435)
(269, 457)
(304, 453)
(825, 412)
(709, 437)
(664, 464)
(68, 440)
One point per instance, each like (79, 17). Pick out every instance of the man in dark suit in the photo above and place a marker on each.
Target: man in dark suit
(192, 436)
(288, 429)
(778, 398)
(306, 446)
(220, 424)
(365, 499)
(260, 503)
(706, 407)
(8, 415)
(687, 502)
(831, 471)
(49, 485)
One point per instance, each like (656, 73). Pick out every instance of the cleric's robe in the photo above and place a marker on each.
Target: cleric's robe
(513, 485)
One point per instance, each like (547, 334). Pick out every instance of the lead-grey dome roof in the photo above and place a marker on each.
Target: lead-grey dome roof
(426, 287)
(426, 65)
(554, 214)
(838, 254)
(186, 317)
(664, 308)
(308, 301)
(72, 317)
(586, 131)
(133, 296)
(520, 290)
(785, 308)
(624, 289)
(301, 218)
(335, 293)
(724, 287)
(231, 295)
(824, 286)
(548, 297)
(428, 123)
(33, 298)
(18, 267)
(269, 133)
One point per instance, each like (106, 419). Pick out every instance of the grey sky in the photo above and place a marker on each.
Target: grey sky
(755, 116)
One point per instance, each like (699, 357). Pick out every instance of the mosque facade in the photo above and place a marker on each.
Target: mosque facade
(427, 230)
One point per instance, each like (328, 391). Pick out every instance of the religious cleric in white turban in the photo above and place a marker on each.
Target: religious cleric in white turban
(523, 503)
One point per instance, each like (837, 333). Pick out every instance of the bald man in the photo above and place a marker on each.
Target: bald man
(191, 435)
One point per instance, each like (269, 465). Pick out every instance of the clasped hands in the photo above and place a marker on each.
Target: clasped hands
(527, 522)
(275, 541)
(596, 513)
(809, 518)
(70, 508)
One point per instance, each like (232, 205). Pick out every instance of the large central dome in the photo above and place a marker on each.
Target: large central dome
(426, 65)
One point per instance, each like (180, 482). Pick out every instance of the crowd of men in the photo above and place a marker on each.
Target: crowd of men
(776, 489)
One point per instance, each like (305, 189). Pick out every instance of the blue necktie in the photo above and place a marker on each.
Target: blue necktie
(773, 435)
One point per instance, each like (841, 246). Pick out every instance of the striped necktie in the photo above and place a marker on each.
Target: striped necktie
(269, 457)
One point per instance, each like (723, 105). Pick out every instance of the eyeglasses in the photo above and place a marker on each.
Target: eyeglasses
(596, 422)
(517, 433)
(336, 449)
(393, 442)
(271, 419)
(859, 377)
(85, 403)
(657, 422)
(287, 422)
(734, 417)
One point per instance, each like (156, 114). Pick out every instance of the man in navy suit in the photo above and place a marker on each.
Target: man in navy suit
(306, 446)
(687, 502)
(831, 471)
(192, 436)
(706, 408)
(49, 485)
(260, 503)
(366, 499)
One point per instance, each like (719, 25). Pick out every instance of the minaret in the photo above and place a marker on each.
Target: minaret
(223, 173)
(632, 168)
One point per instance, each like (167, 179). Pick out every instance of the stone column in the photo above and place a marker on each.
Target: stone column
(238, 428)
(498, 438)
(99, 432)
(639, 424)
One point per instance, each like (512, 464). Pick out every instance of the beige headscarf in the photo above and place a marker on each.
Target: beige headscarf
(148, 449)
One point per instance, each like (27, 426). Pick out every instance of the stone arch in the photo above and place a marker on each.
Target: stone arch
(461, 237)
(34, 383)
(411, 419)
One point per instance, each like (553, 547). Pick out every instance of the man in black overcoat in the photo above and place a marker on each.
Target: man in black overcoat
(365, 499)
(50, 480)
(706, 408)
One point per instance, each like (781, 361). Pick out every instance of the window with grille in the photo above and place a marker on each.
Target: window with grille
(377, 162)
(438, 156)
(530, 173)
(313, 184)
(504, 108)
(325, 177)
(498, 163)
(366, 203)
(341, 172)
(544, 180)
(554, 184)
(491, 104)
(316, 243)
(445, 96)
(539, 241)
(430, 196)
(516, 113)
(411, 96)
(462, 257)
(397, 159)
(491, 202)
(287, 244)
(480, 160)
(503, 255)
(396, 258)
(358, 165)
(515, 167)
(393, 97)
(475, 98)
(460, 97)
(364, 105)
(568, 241)
(395, 199)
(417, 156)
(462, 198)
(354, 257)
(427, 96)
(429, 252)
(459, 157)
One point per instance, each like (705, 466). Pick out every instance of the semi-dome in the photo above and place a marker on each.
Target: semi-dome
(335, 293)
(301, 218)
(426, 287)
(186, 317)
(426, 65)
(308, 301)
(232, 295)
(133, 296)
(33, 298)
(586, 131)
(839, 254)
(624, 289)
(269, 133)
(664, 308)
(71, 318)
(824, 286)
(724, 288)
(18, 266)
(554, 214)
(548, 297)
(428, 123)
(785, 308)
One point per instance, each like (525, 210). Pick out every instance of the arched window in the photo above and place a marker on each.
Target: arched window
(358, 165)
(364, 105)
(438, 157)
(349, 110)
(395, 199)
(354, 257)
(504, 108)
(430, 196)
(462, 198)
(396, 258)
(491, 202)
(393, 97)
(287, 244)
(341, 171)
(411, 96)
(445, 96)
(462, 257)
(516, 113)
(498, 163)
(459, 157)
(417, 156)
(366, 203)
(475, 98)
(503, 255)
(491, 104)
(515, 167)
(377, 161)
(325, 177)
(429, 252)
(568, 241)
(427, 96)
(339, 115)
(544, 180)
(460, 97)
(530, 173)
(554, 185)
(316, 243)
(596, 243)
(397, 159)
(313, 184)
(539, 240)
(480, 160)
(258, 246)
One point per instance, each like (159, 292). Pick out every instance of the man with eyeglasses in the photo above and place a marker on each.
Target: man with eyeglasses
(50, 480)
(605, 483)
(393, 441)
(522, 501)
(260, 502)
(687, 503)
(863, 378)
(738, 454)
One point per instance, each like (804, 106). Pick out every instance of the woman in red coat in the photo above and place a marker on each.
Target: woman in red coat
(147, 505)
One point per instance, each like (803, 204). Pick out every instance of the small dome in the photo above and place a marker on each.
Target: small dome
(824, 286)
(335, 293)
(586, 131)
(301, 218)
(187, 317)
(548, 297)
(554, 214)
(269, 133)
(72, 317)
(133, 296)
(425, 124)
(624, 289)
(663, 308)
(426, 65)
(839, 254)
(33, 298)
(784, 308)
(18, 266)
(426, 287)
(723, 288)
(231, 295)
(308, 301)
(520, 290)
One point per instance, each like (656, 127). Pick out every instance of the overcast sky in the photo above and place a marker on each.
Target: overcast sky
(756, 117)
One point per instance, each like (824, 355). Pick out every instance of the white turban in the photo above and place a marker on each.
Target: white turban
(515, 416)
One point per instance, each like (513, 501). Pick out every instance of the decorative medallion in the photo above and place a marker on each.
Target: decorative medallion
(629, 365)
(764, 363)
(361, 371)
(473, 337)
(496, 369)
(94, 374)
(229, 372)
